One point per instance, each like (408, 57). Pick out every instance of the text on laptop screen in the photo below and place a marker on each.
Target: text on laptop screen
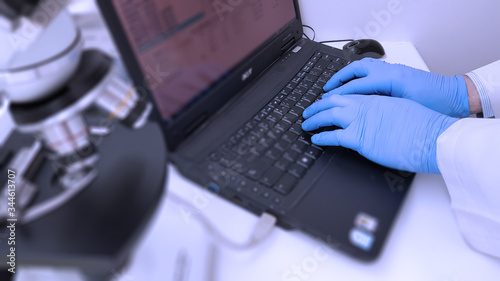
(185, 46)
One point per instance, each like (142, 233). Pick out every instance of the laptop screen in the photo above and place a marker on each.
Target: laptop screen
(186, 47)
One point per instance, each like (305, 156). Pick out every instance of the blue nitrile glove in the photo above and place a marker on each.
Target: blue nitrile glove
(397, 133)
(444, 94)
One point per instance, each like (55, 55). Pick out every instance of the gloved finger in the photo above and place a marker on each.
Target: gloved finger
(354, 70)
(335, 138)
(336, 116)
(324, 104)
(364, 86)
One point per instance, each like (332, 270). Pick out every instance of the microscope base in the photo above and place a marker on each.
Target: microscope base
(97, 229)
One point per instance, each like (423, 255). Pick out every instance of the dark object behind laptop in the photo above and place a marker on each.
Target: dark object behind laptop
(363, 48)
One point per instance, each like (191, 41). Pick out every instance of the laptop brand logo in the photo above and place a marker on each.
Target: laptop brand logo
(247, 74)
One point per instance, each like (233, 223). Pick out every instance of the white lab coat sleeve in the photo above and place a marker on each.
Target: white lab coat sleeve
(468, 156)
(487, 82)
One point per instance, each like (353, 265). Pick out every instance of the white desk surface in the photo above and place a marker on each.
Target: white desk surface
(425, 243)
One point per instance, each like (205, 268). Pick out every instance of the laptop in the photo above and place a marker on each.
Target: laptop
(230, 80)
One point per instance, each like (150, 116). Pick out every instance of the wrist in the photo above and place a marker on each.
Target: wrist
(460, 101)
(445, 123)
(473, 96)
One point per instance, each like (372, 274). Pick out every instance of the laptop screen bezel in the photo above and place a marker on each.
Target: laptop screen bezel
(176, 130)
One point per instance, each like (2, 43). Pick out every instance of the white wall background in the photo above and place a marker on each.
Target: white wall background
(452, 36)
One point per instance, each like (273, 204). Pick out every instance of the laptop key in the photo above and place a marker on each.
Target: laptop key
(273, 153)
(282, 164)
(240, 167)
(296, 95)
(329, 73)
(299, 147)
(273, 103)
(289, 137)
(296, 170)
(282, 125)
(328, 57)
(249, 140)
(316, 72)
(305, 161)
(296, 129)
(323, 79)
(243, 148)
(292, 85)
(306, 84)
(257, 149)
(300, 90)
(309, 97)
(315, 91)
(302, 74)
(271, 176)
(290, 118)
(281, 145)
(320, 84)
(303, 104)
(266, 194)
(313, 152)
(273, 116)
(267, 109)
(305, 137)
(296, 111)
(335, 66)
(280, 97)
(215, 156)
(285, 184)
(257, 168)
(286, 90)
(227, 159)
(266, 141)
(277, 131)
(260, 116)
(273, 135)
(281, 109)
(287, 102)
(290, 155)
(265, 124)
(251, 124)
(311, 78)
(227, 146)
(322, 64)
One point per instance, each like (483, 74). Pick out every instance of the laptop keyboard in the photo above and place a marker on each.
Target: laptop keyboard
(271, 148)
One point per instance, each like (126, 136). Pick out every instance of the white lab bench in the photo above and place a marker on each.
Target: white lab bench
(425, 243)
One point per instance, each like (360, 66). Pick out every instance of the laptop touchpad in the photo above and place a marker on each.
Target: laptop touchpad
(351, 189)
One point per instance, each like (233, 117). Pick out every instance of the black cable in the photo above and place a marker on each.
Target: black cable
(322, 42)
(314, 32)
(333, 41)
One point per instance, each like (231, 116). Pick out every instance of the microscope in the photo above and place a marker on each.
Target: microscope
(85, 168)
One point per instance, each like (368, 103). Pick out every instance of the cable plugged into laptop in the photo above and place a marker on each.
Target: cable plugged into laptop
(261, 230)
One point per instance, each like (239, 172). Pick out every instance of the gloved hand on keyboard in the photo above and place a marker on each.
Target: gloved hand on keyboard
(397, 133)
(444, 94)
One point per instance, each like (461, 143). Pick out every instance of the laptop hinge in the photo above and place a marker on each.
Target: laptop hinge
(195, 124)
